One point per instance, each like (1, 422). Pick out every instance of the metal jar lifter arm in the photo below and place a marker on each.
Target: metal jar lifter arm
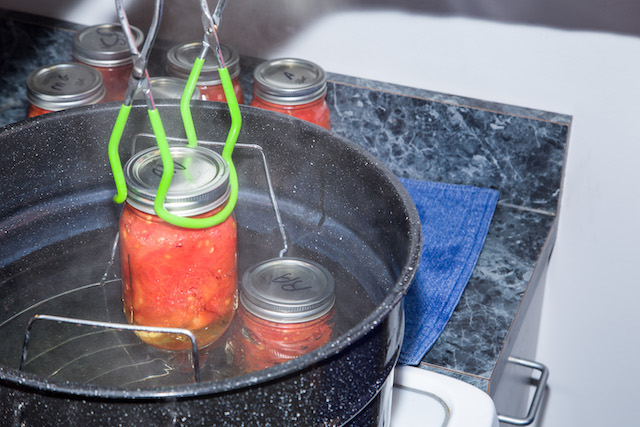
(139, 79)
(210, 23)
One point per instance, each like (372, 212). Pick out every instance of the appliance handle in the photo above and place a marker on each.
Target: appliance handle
(537, 397)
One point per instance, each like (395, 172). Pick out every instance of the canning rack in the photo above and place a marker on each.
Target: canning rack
(139, 81)
(141, 141)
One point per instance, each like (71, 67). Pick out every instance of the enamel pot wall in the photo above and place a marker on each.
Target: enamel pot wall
(338, 206)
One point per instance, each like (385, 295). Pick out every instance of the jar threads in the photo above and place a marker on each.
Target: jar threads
(286, 310)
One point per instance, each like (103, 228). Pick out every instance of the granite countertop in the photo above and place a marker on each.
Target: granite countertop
(421, 135)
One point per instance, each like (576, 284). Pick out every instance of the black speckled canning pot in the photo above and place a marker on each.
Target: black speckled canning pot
(336, 199)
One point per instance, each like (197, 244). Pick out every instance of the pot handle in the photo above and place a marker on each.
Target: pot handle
(537, 397)
(118, 326)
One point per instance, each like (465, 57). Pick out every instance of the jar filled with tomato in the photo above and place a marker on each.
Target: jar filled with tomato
(105, 48)
(286, 310)
(180, 61)
(58, 87)
(292, 86)
(176, 277)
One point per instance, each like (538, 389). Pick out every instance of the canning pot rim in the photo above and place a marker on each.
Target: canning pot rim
(12, 377)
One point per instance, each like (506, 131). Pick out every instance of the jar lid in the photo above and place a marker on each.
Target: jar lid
(167, 87)
(200, 180)
(180, 61)
(287, 290)
(104, 45)
(60, 86)
(289, 81)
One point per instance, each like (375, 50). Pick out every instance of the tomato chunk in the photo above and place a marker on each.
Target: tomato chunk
(178, 278)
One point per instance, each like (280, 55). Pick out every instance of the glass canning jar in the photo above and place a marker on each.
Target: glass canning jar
(286, 310)
(105, 48)
(176, 277)
(292, 86)
(180, 59)
(167, 88)
(58, 87)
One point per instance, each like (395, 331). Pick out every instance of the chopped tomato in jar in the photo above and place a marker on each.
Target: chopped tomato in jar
(263, 343)
(36, 111)
(116, 80)
(292, 86)
(286, 311)
(215, 92)
(105, 48)
(175, 277)
(316, 112)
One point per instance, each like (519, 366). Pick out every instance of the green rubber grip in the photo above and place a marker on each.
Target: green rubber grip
(114, 156)
(185, 102)
(167, 161)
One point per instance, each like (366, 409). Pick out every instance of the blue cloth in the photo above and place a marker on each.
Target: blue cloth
(455, 220)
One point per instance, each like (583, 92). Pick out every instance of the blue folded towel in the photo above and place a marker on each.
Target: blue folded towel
(455, 220)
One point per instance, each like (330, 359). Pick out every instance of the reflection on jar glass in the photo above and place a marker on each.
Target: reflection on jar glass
(180, 61)
(105, 48)
(286, 311)
(295, 87)
(176, 277)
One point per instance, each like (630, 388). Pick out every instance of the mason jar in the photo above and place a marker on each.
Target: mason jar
(58, 87)
(292, 86)
(163, 87)
(180, 59)
(177, 277)
(105, 48)
(286, 310)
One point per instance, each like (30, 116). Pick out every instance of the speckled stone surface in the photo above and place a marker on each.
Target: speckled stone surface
(421, 135)
(520, 152)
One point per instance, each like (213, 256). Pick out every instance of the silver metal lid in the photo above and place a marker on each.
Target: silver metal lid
(180, 61)
(167, 87)
(200, 180)
(289, 81)
(287, 290)
(60, 86)
(104, 45)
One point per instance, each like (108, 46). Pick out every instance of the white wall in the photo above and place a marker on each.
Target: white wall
(588, 337)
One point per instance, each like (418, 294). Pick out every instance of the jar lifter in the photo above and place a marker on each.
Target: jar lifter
(140, 79)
